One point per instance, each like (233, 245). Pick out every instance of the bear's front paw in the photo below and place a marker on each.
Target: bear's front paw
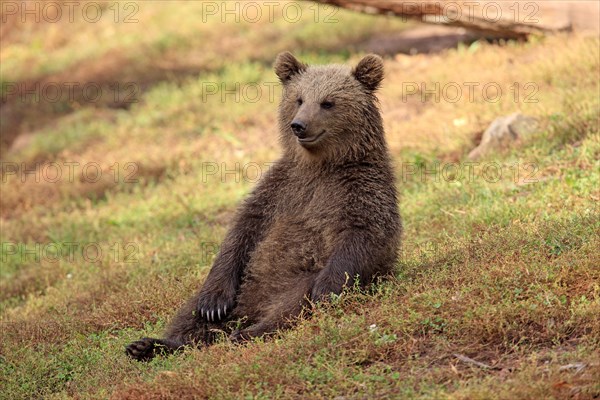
(323, 288)
(320, 293)
(214, 304)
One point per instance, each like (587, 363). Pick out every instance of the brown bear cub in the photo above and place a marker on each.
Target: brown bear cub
(322, 217)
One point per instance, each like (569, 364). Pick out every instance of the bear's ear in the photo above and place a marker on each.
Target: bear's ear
(369, 72)
(286, 66)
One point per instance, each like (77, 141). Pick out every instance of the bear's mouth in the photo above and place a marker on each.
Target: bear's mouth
(310, 140)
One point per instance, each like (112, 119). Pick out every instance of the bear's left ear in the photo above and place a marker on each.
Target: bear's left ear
(369, 72)
(286, 66)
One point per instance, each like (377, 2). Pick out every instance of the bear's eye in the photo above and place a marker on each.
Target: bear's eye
(299, 101)
(327, 105)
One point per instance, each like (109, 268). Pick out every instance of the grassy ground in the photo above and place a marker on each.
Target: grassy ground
(500, 265)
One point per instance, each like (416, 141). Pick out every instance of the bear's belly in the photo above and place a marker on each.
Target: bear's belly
(283, 266)
(292, 245)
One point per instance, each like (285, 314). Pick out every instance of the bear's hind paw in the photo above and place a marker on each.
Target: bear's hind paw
(145, 349)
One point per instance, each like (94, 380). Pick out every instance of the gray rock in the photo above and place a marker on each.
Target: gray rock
(503, 133)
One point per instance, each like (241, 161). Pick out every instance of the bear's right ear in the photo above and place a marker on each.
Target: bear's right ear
(286, 66)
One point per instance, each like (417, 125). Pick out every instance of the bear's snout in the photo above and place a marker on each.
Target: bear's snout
(299, 128)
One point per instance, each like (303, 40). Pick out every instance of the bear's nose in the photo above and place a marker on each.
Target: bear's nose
(299, 128)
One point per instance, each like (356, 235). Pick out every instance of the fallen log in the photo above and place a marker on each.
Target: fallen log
(508, 19)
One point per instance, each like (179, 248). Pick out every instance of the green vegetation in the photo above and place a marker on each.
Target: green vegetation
(501, 266)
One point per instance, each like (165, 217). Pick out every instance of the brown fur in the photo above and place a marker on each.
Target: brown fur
(325, 213)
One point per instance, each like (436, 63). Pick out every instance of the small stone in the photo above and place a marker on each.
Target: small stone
(503, 132)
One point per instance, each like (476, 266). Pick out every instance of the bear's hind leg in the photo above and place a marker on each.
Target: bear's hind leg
(186, 329)
(280, 312)
(257, 330)
(146, 349)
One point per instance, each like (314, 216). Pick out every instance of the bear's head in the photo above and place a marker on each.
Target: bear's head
(330, 111)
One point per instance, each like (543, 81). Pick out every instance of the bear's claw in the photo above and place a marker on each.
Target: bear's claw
(213, 307)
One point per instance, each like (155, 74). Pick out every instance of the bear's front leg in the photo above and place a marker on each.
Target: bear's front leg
(217, 298)
(327, 283)
(349, 262)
